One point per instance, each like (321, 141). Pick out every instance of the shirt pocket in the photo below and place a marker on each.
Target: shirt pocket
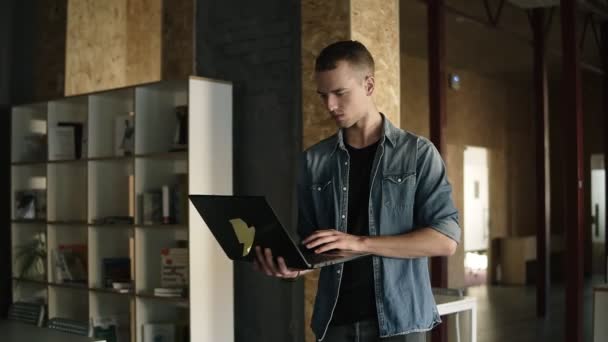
(398, 190)
(322, 197)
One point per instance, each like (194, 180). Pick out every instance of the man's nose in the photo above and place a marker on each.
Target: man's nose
(331, 103)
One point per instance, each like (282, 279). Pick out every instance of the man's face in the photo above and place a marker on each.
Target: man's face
(345, 93)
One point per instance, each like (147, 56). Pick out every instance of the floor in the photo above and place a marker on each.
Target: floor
(508, 313)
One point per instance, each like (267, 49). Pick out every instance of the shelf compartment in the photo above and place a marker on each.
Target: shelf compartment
(155, 115)
(28, 192)
(151, 310)
(105, 305)
(148, 246)
(68, 113)
(104, 111)
(150, 177)
(108, 242)
(29, 133)
(29, 291)
(110, 189)
(28, 236)
(68, 302)
(67, 192)
(62, 235)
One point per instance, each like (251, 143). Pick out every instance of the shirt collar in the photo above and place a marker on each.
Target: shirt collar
(388, 134)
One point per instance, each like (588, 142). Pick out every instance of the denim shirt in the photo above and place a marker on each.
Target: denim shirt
(408, 190)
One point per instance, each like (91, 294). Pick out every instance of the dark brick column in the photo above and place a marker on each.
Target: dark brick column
(256, 45)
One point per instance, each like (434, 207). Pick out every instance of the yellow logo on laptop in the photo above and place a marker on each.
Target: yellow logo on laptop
(244, 234)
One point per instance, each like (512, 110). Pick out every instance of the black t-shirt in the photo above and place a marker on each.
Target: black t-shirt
(356, 300)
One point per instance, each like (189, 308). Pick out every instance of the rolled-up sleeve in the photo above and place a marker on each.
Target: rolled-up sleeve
(433, 205)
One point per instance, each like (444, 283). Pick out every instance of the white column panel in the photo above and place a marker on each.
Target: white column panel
(210, 172)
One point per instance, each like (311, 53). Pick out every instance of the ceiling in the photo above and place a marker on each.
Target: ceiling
(472, 43)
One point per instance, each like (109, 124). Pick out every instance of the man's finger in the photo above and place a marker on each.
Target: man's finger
(270, 261)
(319, 233)
(283, 268)
(328, 247)
(322, 241)
(262, 261)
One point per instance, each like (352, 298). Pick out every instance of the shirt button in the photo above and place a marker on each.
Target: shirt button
(345, 163)
(399, 180)
(343, 217)
(338, 272)
(319, 188)
(344, 188)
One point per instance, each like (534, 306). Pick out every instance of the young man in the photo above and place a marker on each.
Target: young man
(372, 188)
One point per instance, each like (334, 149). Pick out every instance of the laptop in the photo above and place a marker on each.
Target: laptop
(240, 223)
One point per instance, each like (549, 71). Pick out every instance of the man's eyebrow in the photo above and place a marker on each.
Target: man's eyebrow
(332, 91)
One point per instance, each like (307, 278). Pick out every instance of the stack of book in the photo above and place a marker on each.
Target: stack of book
(169, 292)
(174, 267)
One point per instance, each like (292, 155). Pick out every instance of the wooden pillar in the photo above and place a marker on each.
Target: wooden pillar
(437, 107)
(542, 161)
(574, 216)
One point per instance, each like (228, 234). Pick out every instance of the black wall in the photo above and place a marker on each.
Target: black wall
(256, 45)
(6, 12)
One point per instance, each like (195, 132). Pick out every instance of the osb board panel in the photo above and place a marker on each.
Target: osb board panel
(110, 44)
(498, 112)
(375, 23)
(49, 49)
(178, 39)
(323, 22)
(143, 47)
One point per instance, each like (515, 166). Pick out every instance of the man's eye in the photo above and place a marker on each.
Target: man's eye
(340, 94)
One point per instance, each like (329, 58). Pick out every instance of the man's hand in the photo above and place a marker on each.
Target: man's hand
(264, 262)
(329, 239)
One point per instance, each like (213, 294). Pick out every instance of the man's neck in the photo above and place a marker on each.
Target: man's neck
(366, 131)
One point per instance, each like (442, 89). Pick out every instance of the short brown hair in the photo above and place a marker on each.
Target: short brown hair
(351, 51)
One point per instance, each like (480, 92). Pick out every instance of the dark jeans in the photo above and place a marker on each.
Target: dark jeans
(366, 331)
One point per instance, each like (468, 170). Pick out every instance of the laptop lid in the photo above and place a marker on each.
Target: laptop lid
(240, 223)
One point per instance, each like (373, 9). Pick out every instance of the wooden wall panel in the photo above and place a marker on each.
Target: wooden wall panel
(143, 49)
(323, 22)
(375, 23)
(111, 44)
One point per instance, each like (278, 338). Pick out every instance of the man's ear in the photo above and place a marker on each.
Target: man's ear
(370, 85)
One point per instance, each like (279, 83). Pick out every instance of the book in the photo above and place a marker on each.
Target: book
(166, 205)
(62, 145)
(78, 137)
(174, 267)
(169, 292)
(71, 263)
(115, 270)
(152, 207)
(124, 135)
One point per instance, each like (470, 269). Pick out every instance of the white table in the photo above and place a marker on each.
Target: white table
(454, 304)
(600, 312)
(12, 331)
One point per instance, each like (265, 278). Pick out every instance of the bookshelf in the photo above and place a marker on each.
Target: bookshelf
(91, 195)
